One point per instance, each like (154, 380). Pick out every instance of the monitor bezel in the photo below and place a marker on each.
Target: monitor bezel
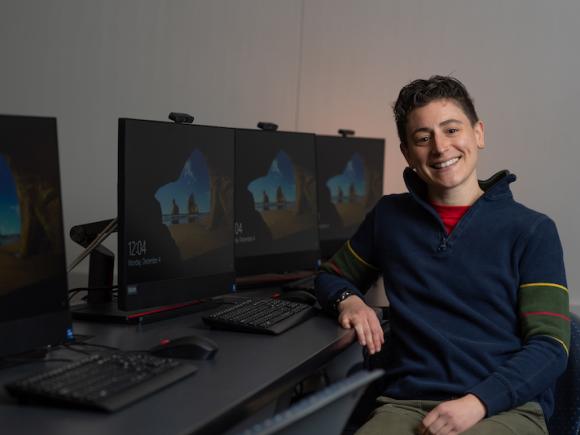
(157, 293)
(38, 331)
(278, 262)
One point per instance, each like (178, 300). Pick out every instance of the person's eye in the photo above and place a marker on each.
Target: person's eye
(452, 130)
(421, 140)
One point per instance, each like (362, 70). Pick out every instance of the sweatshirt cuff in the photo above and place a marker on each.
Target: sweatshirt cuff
(494, 394)
(328, 289)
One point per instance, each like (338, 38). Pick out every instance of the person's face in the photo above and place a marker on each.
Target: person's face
(442, 146)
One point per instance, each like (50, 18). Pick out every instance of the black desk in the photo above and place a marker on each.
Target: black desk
(248, 372)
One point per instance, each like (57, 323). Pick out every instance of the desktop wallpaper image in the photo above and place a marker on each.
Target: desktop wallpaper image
(348, 192)
(276, 198)
(349, 183)
(31, 245)
(185, 207)
(9, 206)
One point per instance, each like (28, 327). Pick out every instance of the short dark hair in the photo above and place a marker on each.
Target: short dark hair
(421, 92)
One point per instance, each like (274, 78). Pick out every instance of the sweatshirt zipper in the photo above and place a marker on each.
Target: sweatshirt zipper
(443, 245)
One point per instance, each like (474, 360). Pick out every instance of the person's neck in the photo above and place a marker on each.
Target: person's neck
(460, 196)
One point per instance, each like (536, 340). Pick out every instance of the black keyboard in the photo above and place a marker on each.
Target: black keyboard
(262, 315)
(106, 382)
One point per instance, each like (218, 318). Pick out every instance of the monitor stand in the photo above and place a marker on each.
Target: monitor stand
(109, 312)
(102, 307)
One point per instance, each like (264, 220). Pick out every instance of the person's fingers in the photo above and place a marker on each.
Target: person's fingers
(445, 429)
(345, 322)
(369, 337)
(437, 427)
(367, 327)
(382, 333)
(377, 340)
(430, 418)
(360, 333)
(378, 333)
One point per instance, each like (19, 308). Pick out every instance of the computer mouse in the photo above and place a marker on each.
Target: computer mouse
(298, 296)
(188, 347)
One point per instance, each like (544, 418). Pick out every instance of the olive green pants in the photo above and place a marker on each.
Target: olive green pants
(403, 417)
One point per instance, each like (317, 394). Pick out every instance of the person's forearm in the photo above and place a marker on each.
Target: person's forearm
(523, 377)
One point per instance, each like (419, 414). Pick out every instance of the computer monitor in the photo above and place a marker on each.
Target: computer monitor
(276, 228)
(33, 282)
(176, 213)
(350, 182)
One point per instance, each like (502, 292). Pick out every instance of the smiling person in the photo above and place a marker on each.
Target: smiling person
(479, 314)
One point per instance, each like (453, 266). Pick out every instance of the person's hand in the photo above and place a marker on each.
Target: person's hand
(354, 313)
(453, 417)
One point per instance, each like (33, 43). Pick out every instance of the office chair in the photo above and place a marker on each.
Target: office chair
(325, 411)
(566, 417)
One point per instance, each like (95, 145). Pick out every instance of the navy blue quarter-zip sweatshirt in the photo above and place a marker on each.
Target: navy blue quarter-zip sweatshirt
(483, 310)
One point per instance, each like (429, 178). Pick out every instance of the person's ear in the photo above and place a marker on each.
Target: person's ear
(405, 152)
(479, 134)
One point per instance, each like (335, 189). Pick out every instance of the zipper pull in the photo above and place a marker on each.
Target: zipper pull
(443, 244)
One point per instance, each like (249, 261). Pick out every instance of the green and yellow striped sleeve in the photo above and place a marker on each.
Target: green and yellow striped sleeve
(545, 311)
(348, 264)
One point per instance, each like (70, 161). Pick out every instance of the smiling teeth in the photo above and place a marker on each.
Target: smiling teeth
(445, 164)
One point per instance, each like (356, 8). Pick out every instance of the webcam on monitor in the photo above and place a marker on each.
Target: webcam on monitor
(345, 132)
(181, 118)
(267, 126)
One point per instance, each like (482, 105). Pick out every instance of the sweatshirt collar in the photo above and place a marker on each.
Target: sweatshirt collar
(495, 187)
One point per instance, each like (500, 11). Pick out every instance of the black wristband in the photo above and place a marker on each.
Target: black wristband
(345, 294)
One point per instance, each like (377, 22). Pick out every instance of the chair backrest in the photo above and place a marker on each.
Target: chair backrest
(566, 417)
(325, 411)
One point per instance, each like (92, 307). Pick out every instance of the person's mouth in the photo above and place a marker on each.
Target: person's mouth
(445, 164)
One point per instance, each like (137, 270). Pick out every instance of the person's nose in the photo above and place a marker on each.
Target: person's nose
(440, 144)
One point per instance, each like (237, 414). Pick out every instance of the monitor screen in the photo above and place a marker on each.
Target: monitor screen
(350, 182)
(275, 196)
(176, 213)
(33, 282)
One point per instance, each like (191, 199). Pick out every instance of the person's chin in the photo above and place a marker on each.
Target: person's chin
(446, 180)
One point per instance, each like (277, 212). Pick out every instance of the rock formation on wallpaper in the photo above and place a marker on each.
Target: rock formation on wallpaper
(40, 208)
(33, 249)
